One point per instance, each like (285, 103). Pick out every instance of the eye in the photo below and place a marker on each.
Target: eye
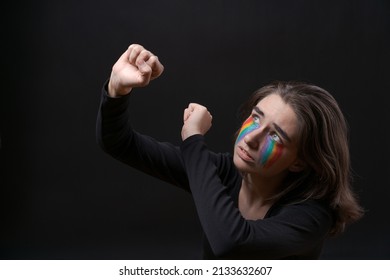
(275, 137)
(256, 118)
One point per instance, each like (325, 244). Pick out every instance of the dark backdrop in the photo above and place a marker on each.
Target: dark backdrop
(61, 197)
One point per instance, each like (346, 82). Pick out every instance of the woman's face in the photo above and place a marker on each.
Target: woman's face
(268, 139)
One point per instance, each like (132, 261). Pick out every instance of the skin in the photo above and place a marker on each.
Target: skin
(277, 120)
(137, 67)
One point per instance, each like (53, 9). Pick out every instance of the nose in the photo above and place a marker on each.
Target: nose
(253, 139)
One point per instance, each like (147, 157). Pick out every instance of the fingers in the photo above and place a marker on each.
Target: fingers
(186, 114)
(197, 120)
(195, 108)
(145, 73)
(138, 55)
(134, 51)
(156, 66)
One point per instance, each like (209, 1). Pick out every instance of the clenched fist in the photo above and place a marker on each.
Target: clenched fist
(197, 120)
(135, 68)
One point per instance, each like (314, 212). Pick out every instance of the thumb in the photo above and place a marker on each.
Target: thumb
(143, 67)
(187, 114)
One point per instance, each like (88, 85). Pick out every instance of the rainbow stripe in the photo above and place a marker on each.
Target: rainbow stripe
(270, 152)
(248, 126)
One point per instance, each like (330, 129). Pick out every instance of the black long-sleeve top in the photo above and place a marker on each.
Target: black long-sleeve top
(288, 231)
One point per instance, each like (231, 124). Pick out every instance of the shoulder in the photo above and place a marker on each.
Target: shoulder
(308, 206)
(311, 213)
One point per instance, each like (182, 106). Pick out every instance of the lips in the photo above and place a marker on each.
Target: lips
(244, 155)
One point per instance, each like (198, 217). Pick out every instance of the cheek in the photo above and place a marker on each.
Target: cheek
(270, 153)
(247, 127)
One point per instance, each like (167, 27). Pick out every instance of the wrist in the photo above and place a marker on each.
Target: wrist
(188, 133)
(114, 91)
(193, 138)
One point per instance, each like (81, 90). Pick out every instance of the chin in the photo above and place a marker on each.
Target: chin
(245, 168)
(242, 166)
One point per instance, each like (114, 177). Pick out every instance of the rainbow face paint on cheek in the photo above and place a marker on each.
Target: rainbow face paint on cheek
(270, 152)
(247, 127)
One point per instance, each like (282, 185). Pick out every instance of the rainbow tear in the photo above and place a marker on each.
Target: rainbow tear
(270, 152)
(248, 126)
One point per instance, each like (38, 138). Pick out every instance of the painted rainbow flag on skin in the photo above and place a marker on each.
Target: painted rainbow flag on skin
(270, 152)
(248, 126)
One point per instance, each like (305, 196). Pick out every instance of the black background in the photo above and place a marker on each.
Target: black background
(61, 197)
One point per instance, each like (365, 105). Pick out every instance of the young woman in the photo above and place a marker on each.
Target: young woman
(282, 192)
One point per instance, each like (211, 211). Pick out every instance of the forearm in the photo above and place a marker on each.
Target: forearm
(112, 123)
(117, 138)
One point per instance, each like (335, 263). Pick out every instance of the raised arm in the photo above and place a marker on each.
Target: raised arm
(136, 67)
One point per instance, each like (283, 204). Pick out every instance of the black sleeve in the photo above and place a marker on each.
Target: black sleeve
(294, 230)
(116, 137)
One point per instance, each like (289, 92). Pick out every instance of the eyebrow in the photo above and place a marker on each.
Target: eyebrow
(255, 108)
(277, 128)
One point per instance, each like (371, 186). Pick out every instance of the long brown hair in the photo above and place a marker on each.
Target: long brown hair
(324, 147)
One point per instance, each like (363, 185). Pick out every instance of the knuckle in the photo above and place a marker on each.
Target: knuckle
(136, 47)
(153, 59)
(144, 82)
(145, 52)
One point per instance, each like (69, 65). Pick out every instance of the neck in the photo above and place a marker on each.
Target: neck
(261, 189)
